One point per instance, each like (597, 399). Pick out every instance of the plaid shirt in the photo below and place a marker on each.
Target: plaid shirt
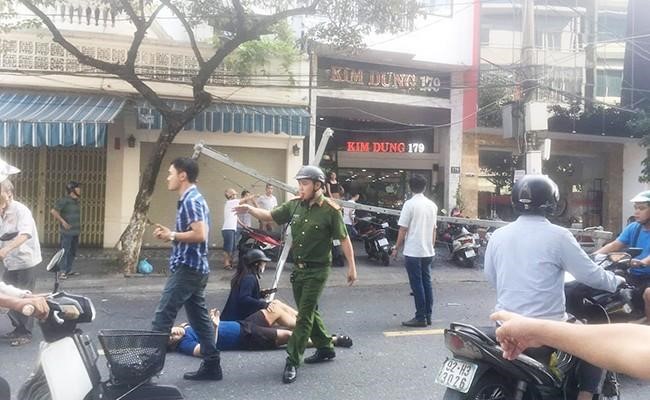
(191, 208)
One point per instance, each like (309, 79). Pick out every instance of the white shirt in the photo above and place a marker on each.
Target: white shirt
(18, 218)
(229, 216)
(525, 261)
(419, 216)
(267, 202)
(348, 215)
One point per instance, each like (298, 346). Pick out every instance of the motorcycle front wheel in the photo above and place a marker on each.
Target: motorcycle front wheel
(385, 259)
(35, 388)
(488, 387)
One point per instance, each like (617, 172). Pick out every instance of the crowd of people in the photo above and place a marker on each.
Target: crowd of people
(526, 271)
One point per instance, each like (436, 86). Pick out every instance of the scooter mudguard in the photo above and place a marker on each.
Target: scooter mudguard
(71, 382)
(145, 392)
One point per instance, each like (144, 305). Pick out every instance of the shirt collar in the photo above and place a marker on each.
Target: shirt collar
(318, 202)
(187, 192)
(532, 217)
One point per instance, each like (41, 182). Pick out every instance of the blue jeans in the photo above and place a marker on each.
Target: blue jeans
(186, 287)
(69, 243)
(419, 271)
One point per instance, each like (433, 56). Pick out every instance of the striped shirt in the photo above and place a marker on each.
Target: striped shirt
(192, 207)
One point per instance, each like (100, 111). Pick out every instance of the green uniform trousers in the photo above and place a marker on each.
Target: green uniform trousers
(308, 284)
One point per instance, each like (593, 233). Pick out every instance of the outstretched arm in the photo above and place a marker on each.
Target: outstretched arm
(259, 213)
(621, 348)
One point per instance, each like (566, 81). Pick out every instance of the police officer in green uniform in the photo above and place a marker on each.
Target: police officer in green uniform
(315, 221)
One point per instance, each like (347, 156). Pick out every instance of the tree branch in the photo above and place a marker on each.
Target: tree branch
(57, 37)
(188, 29)
(131, 12)
(239, 9)
(138, 37)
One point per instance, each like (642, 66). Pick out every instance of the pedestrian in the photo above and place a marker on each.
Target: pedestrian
(417, 232)
(229, 228)
(268, 202)
(349, 217)
(189, 267)
(331, 184)
(68, 212)
(315, 222)
(20, 255)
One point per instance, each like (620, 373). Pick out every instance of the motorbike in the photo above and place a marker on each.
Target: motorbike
(372, 230)
(463, 245)
(477, 370)
(251, 238)
(67, 365)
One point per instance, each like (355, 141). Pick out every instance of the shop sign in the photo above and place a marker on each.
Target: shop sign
(385, 78)
(384, 147)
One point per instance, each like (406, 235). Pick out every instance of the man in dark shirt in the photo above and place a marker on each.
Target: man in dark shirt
(68, 212)
(315, 222)
(189, 267)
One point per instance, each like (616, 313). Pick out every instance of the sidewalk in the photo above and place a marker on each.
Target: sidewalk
(99, 270)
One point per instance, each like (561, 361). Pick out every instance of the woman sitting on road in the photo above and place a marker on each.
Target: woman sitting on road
(245, 296)
(253, 333)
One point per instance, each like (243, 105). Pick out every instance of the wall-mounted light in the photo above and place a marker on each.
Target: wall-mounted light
(296, 150)
(130, 141)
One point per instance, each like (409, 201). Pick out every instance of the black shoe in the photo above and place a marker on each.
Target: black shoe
(321, 355)
(290, 373)
(208, 371)
(414, 323)
(429, 321)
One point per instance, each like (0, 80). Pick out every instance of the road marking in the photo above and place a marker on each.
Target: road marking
(418, 332)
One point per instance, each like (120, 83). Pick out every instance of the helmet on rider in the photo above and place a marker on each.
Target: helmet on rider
(643, 197)
(535, 194)
(311, 172)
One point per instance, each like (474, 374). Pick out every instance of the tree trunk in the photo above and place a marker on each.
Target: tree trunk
(130, 242)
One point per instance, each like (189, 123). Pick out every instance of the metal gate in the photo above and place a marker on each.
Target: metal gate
(44, 174)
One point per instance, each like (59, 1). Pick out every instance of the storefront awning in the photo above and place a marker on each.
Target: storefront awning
(237, 118)
(34, 119)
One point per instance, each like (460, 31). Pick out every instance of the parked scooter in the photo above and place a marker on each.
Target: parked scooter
(372, 230)
(463, 245)
(67, 365)
(252, 238)
(477, 369)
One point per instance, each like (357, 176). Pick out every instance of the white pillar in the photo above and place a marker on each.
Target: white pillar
(455, 142)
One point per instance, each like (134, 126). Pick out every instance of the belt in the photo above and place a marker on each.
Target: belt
(304, 265)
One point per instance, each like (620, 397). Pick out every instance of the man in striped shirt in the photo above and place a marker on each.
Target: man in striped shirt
(189, 266)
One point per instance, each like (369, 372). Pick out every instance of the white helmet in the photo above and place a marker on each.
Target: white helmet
(6, 170)
(643, 197)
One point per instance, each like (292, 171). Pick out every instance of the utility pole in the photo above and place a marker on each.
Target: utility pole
(528, 86)
(591, 22)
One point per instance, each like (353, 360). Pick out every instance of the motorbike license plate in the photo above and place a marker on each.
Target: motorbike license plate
(470, 253)
(457, 374)
(382, 242)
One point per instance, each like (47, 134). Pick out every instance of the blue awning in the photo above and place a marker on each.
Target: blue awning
(238, 118)
(56, 119)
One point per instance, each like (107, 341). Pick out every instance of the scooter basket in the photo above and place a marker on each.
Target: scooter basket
(133, 356)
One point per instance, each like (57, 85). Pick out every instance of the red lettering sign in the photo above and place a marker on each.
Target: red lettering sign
(376, 147)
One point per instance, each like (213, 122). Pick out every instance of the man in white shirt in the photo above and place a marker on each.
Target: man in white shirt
(526, 259)
(229, 227)
(417, 231)
(19, 255)
(267, 201)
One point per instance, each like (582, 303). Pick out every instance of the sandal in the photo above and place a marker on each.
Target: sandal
(342, 341)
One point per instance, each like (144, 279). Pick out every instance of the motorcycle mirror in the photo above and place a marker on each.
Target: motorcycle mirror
(634, 251)
(8, 236)
(53, 265)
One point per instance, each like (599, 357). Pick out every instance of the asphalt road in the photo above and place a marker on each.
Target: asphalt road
(386, 361)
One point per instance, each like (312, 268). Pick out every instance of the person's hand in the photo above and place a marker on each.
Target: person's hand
(162, 232)
(66, 226)
(39, 304)
(352, 275)
(515, 333)
(636, 263)
(214, 316)
(393, 253)
(242, 209)
(3, 253)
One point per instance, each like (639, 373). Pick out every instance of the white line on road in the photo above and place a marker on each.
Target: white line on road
(415, 333)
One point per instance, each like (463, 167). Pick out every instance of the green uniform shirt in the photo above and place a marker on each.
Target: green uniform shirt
(312, 229)
(71, 212)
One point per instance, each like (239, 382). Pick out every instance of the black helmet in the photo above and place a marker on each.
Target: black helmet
(311, 172)
(535, 194)
(255, 255)
(71, 186)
